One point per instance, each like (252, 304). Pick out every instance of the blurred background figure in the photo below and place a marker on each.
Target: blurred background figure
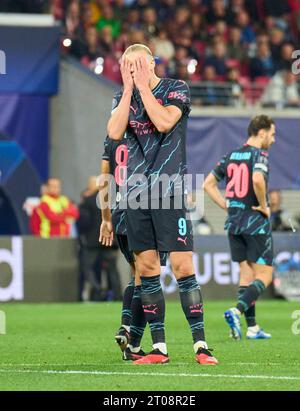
(30, 207)
(282, 91)
(94, 259)
(202, 227)
(280, 219)
(55, 214)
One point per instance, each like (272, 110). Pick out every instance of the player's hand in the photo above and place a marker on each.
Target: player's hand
(106, 234)
(126, 74)
(264, 210)
(142, 74)
(225, 208)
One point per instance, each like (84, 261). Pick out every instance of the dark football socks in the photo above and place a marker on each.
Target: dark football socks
(250, 296)
(127, 299)
(250, 313)
(138, 322)
(192, 305)
(153, 302)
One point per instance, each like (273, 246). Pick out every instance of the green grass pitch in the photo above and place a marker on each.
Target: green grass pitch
(71, 347)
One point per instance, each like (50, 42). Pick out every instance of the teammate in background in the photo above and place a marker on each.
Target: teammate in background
(246, 172)
(153, 112)
(133, 321)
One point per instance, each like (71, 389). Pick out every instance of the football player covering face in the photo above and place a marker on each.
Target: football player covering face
(152, 113)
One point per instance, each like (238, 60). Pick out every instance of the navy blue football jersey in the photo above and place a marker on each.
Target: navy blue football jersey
(150, 152)
(237, 168)
(117, 154)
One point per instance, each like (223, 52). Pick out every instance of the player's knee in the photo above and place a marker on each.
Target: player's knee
(182, 268)
(247, 278)
(148, 267)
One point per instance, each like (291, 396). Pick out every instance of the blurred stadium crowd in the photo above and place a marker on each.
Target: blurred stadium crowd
(233, 52)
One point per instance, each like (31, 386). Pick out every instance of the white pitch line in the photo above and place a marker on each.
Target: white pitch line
(154, 374)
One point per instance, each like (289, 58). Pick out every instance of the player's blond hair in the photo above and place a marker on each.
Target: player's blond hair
(138, 47)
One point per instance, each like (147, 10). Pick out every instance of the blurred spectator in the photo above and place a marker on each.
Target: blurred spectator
(269, 23)
(263, 64)
(160, 69)
(73, 28)
(295, 16)
(198, 27)
(185, 39)
(120, 9)
(235, 8)
(94, 258)
(282, 91)
(150, 21)
(196, 6)
(221, 28)
(243, 21)
(56, 8)
(209, 91)
(137, 36)
(180, 57)
(87, 16)
(133, 20)
(202, 227)
(106, 41)
(108, 19)
(179, 22)
(209, 74)
(234, 90)
(286, 60)
(181, 72)
(30, 207)
(217, 11)
(279, 218)
(276, 8)
(276, 41)
(235, 47)
(55, 212)
(163, 47)
(88, 49)
(166, 10)
(218, 59)
(96, 7)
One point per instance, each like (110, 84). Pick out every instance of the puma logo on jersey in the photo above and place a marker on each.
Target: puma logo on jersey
(183, 240)
(134, 109)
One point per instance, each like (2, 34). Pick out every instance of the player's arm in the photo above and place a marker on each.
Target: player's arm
(260, 189)
(211, 183)
(118, 121)
(259, 174)
(211, 187)
(106, 228)
(164, 118)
